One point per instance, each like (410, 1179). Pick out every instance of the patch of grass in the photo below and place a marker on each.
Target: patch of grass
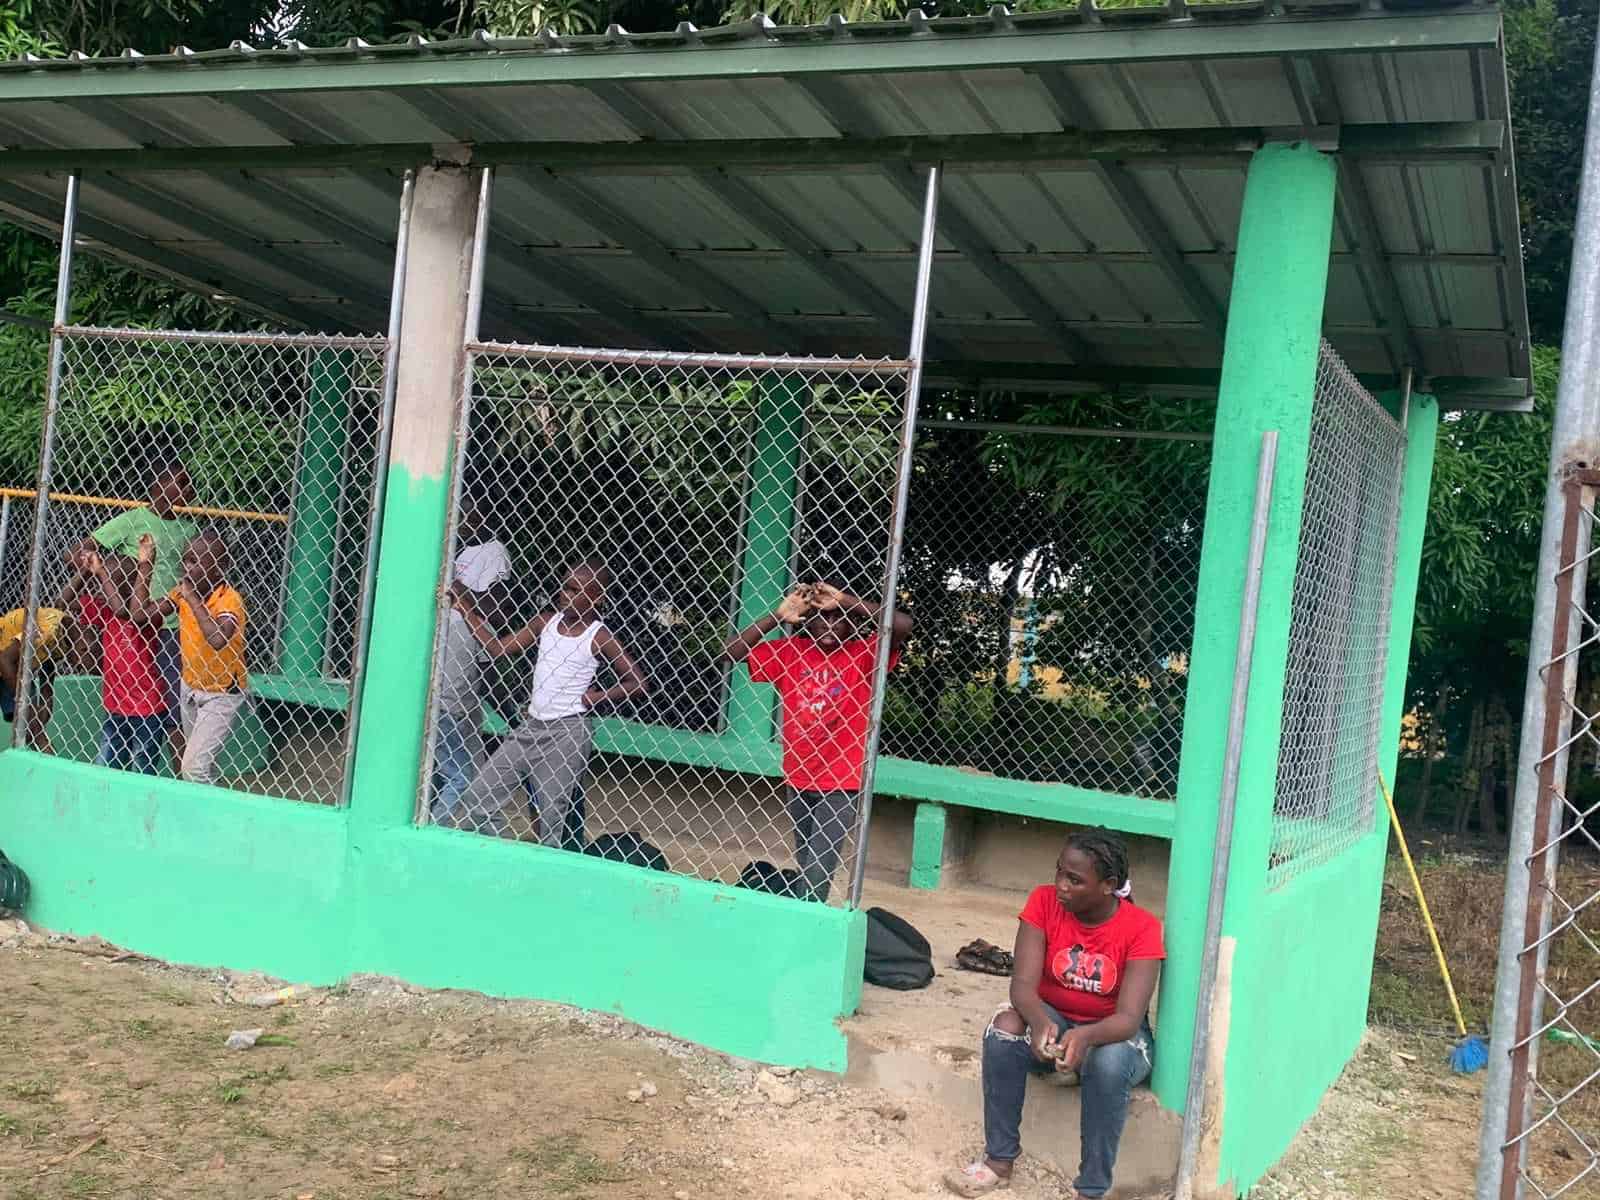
(141, 1029)
(9, 1126)
(229, 1093)
(284, 1016)
(563, 1163)
(329, 1070)
(174, 997)
(83, 1183)
(30, 1089)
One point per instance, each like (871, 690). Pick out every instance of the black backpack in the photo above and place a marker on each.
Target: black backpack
(897, 955)
(762, 876)
(627, 848)
(13, 885)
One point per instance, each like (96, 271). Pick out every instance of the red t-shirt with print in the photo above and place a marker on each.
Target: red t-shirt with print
(130, 685)
(1084, 964)
(826, 695)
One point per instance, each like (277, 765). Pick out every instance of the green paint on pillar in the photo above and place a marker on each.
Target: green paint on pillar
(1268, 378)
(394, 693)
(927, 846)
(768, 532)
(315, 526)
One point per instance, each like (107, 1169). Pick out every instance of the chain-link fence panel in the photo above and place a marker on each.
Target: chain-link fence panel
(1052, 575)
(205, 537)
(1551, 1143)
(1338, 626)
(611, 671)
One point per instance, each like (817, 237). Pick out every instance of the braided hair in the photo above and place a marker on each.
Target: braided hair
(1105, 849)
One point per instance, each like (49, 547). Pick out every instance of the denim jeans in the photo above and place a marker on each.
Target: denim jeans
(822, 824)
(133, 743)
(1108, 1076)
(457, 755)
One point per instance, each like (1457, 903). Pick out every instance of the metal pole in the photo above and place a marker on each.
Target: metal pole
(5, 532)
(897, 523)
(41, 507)
(1194, 1101)
(1575, 438)
(380, 480)
(480, 254)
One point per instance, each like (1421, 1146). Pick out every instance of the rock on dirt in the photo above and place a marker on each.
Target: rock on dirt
(243, 1039)
(784, 1095)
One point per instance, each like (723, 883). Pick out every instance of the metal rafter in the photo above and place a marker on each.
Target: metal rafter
(853, 120)
(1136, 209)
(42, 212)
(1403, 346)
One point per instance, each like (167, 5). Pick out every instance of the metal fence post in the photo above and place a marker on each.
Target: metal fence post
(1575, 442)
(1193, 1109)
(380, 478)
(52, 400)
(897, 523)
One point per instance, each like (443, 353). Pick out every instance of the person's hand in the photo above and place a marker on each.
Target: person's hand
(147, 548)
(459, 596)
(1073, 1048)
(796, 607)
(826, 597)
(592, 697)
(91, 562)
(1046, 1047)
(188, 592)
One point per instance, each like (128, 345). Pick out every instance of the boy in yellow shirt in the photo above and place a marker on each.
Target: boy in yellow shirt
(211, 643)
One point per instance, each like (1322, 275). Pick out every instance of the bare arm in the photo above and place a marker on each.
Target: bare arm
(630, 679)
(1026, 970)
(141, 607)
(793, 608)
(866, 610)
(494, 646)
(217, 630)
(1133, 1002)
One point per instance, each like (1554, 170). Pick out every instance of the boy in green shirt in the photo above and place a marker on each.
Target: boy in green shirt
(170, 490)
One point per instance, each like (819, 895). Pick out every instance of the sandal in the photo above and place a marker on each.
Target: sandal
(974, 1179)
(984, 957)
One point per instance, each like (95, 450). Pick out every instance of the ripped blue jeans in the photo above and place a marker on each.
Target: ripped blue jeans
(1108, 1076)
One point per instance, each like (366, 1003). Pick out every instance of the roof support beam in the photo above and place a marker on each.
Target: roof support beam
(43, 213)
(316, 149)
(590, 208)
(750, 52)
(1357, 208)
(854, 121)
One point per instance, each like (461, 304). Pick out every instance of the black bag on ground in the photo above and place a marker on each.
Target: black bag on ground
(897, 955)
(13, 885)
(762, 876)
(627, 848)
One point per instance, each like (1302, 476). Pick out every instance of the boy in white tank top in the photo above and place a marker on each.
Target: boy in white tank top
(549, 749)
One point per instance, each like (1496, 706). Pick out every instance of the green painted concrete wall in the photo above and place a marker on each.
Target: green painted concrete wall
(205, 876)
(1304, 969)
(1268, 377)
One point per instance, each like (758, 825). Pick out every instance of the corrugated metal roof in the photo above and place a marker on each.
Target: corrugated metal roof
(656, 187)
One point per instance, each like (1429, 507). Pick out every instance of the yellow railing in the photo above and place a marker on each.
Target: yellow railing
(188, 510)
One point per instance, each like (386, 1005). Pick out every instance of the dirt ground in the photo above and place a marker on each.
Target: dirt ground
(115, 1082)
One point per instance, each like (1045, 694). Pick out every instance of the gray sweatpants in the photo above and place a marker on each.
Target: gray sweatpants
(206, 717)
(822, 823)
(548, 756)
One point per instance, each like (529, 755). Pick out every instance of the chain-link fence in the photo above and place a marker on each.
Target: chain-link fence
(1551, 1142)
(205, 538)
(1052, 574)
(1339, 626)
(609, 675)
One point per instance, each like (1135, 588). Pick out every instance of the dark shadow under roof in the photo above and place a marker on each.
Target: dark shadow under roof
(756, 188)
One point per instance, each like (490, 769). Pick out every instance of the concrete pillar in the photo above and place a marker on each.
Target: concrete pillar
(768, 535)
(314, 530)
(393, 703)
(927, 846)
(1269, 371)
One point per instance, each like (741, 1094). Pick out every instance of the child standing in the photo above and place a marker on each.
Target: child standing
(824, 681)
(170, 490)
(550, 748)
(131, 688)
(210, 616)
(51, 627)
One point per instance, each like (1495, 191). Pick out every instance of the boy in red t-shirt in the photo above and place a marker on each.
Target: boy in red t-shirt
(1085, 970)
(133, 737)
(824, 681)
